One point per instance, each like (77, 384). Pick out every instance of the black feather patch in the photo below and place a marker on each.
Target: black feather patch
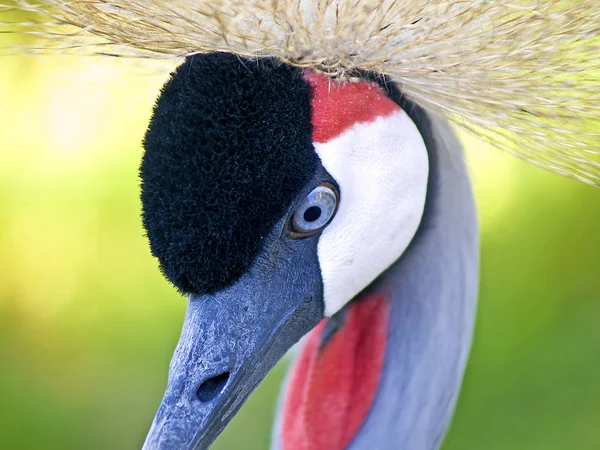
(228, 149)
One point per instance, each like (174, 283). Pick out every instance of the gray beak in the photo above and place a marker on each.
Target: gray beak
(230, 341)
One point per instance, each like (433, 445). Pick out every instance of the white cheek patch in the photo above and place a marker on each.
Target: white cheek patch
(382, 169)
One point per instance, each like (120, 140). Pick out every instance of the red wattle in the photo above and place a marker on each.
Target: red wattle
(337, 106)
(332, 388)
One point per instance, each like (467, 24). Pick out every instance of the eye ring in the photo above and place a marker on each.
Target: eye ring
(315, 212)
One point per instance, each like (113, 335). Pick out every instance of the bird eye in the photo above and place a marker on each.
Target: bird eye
(315, 212)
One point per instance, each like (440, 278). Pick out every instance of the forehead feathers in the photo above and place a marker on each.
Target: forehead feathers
(227, 150)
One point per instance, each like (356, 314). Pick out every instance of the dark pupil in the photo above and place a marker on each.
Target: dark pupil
(312, 213)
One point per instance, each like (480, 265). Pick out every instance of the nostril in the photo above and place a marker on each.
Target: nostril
(212, 387)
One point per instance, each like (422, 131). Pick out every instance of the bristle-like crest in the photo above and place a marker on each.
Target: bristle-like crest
(524, 74)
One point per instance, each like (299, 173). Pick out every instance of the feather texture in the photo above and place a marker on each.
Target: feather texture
(522, 74)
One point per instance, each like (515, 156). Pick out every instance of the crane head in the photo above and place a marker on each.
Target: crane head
(271, 196)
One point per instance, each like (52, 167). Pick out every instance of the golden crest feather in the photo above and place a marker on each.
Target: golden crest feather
(522, 74)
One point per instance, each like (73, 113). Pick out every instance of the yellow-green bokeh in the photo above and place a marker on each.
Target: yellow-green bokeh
(88, 325)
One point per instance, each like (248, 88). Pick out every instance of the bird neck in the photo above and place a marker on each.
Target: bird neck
(433, 294)
(426, 303)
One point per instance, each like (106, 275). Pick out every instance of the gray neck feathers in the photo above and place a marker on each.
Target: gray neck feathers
(433, 289)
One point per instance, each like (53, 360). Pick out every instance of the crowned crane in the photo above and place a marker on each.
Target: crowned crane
(299, 181)
(281, 200)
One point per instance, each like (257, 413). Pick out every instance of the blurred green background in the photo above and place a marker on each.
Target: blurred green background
(88, 325)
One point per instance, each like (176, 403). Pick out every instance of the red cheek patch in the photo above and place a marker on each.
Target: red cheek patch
(332, 388)
(337, 106)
